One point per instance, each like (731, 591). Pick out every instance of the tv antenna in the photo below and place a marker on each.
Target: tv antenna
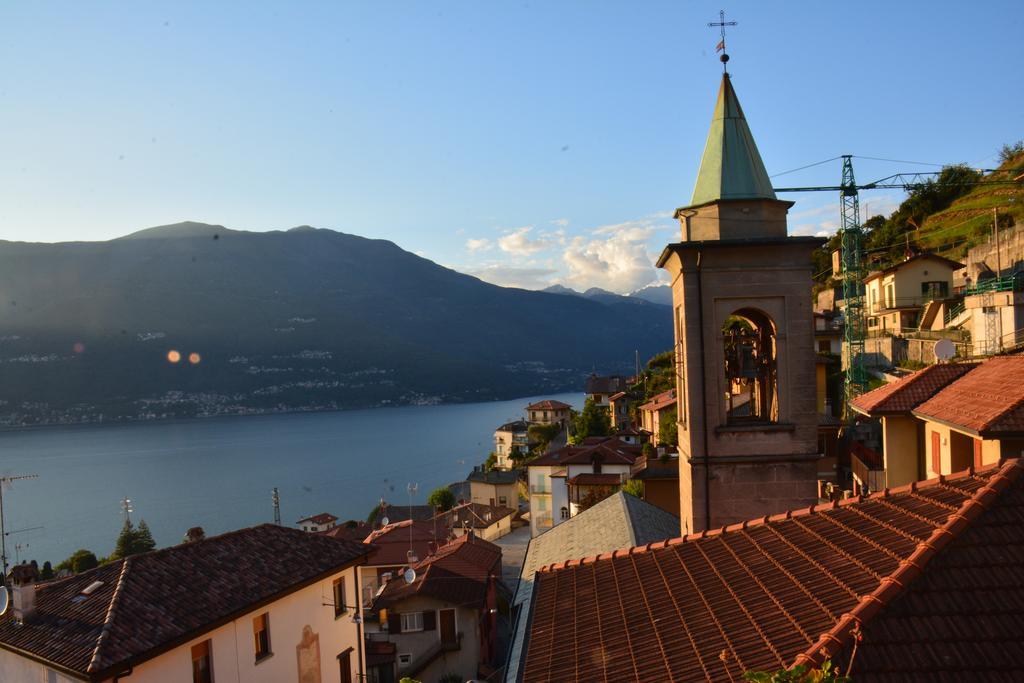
(411, 488)
(275, 498)
(127, 510)
(4, 483)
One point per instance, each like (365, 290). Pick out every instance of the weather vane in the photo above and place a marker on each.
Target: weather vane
(722, 23)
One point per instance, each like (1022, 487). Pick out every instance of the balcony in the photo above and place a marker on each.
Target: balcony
(540, 489)
(868, 467)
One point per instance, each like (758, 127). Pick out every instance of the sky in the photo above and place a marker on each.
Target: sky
(527, 143)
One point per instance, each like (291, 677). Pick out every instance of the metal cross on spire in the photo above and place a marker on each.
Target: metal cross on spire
(722, 23)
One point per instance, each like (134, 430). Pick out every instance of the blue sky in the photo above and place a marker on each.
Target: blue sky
(528, 143)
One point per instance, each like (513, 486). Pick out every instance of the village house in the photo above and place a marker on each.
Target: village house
(905, 584)
(651, 413)
(393, 548)
(489, 522)
(897, 297)
(494, 487)
(548, 412)
(946, 418)
(445, 621)
(659, 474)
(401, 513)
(265, 604)
(618, 410)
(565, 480)
(828, 333)
(317, 523)
(600, 389)
(511, 437)
(619, 521)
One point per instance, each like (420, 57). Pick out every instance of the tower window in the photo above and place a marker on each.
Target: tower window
(751, 375)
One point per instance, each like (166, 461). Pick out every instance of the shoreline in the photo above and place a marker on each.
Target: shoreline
(55, 426)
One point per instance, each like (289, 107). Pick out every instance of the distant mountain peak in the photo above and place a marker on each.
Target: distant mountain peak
(559, 289)
(183, 229)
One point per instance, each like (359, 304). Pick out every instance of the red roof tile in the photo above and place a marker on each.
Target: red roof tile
(322, 518)
(458, 572)
(590, 479)
(907, 393)
(142, 605)
(475, 515)
(548, 404)
(666, 399)
(989, 400)
(786, 589)
(608, 450)
(392, 543)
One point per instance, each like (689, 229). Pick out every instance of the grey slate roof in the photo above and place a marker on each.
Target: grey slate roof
(619, 521)
(494, 476)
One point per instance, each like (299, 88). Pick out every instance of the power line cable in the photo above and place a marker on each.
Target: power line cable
(794, 170)
(903, 161)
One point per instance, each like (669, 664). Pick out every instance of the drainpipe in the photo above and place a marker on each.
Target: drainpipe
(704, 394)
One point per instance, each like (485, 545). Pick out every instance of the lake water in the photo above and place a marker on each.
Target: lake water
(218, 473)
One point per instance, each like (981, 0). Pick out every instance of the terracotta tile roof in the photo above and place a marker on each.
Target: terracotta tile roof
(989, 400)
(618, 521)
(548, 404)
(610, 384)
(493, 476)
(459, 572)
(391, 544)
(616, 397)
(608, 449)
(143, 606)
(907, 393)
(666, 399)
(787, 589)
(591, 479)
(322, 518)
(475, 515)
(350, 531)
(516, 426)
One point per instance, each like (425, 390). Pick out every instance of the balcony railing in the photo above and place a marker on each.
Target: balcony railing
(998, 284)
(542, 488)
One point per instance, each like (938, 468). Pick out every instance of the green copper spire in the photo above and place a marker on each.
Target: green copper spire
(731, 167)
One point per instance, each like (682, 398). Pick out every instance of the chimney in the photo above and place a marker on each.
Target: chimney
(23, 592)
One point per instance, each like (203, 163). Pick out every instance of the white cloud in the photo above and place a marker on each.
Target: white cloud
(518, 242)
(526, 277)
(482, 244)
(560, 222)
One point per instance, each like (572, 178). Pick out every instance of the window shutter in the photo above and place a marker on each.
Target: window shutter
(977, 453)
(936, 453)
(395, 623)
(429, 620)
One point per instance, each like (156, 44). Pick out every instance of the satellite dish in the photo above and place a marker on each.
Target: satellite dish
(5, 600)
(384, 521)
(409, 575)
(944, 349)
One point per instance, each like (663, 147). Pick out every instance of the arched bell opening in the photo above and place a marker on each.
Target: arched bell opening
(751, 370)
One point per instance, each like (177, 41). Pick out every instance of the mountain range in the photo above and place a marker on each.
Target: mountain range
(196, 319)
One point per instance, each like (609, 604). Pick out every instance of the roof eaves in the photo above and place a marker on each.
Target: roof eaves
(835, 639)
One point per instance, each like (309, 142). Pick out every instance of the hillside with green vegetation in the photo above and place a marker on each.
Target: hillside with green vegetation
(948, 215)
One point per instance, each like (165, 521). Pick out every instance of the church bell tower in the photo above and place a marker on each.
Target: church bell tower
(744, 340)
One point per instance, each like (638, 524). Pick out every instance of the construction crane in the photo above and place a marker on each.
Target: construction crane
(853, 259)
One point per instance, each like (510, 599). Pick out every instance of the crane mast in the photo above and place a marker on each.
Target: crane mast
(854, 329)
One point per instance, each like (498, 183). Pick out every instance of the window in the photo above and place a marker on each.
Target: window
(51, 676)
(412, 621)
(261, 636)
(751, 375)
(202, 663)
(345, 665)
(564, 512)
(935, 290)
(824, 346)
(502, 501)
(339, 596)
(404, 659)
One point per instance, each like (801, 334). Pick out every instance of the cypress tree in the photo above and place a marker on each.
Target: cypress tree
(143, 539)
(125, 541)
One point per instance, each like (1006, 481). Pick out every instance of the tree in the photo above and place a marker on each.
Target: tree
(634, 487)
(668, 431)
(594, 420)
(1010, 152)
(491, 462)
(144, 541)
(47, 571)
(125, 541)
(543, 435)
(79, 561)
(442, 498)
